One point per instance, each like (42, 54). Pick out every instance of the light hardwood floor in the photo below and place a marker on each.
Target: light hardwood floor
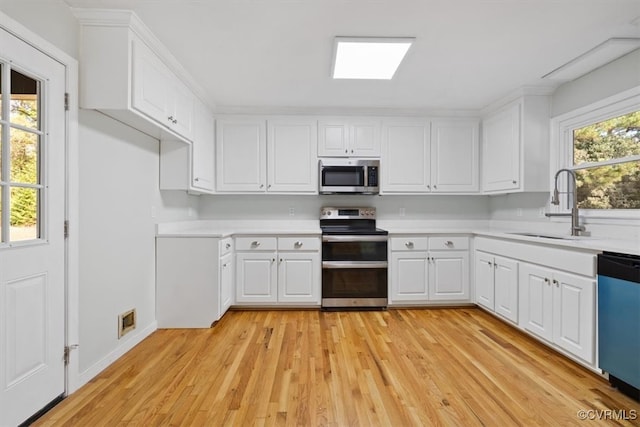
(453, 367)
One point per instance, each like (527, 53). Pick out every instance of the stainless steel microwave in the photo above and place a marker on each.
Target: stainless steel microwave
(352, 176)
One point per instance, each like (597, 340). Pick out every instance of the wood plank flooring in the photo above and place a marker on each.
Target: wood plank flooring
(450, 367)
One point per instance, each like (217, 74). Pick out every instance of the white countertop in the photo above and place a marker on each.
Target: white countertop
(227, 228)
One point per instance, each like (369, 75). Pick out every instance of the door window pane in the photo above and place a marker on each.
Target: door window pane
(24, 100)
(25, 210)
(24, 157)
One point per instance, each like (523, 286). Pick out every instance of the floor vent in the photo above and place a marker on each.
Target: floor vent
(126, 322)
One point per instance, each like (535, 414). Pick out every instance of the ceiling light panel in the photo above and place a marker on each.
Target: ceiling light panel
(372, 58)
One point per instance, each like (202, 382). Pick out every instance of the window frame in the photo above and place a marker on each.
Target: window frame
(562, 128)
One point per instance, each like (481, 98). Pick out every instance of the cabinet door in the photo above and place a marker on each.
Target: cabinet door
(226, 283)
(364, 138)
(150, 81)
(484, 279)
(181, 108)
(202, 149)
(256, 277)
(299, 277)
(291, 152)
(574, 314)
(506, 288)
(536, 300)
(333, 139)
(241, 155)
(449, 276)
(409, 277)
(501, 150)
(454, 156)
(405, 161)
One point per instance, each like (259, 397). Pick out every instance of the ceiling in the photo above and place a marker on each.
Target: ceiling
(276, 54)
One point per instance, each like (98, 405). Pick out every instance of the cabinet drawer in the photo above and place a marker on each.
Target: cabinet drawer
(409, 243)
(444, 243)
(226, 246)
(298, 243)
(256, 243)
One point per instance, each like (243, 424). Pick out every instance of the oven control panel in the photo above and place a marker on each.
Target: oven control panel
(348, 213)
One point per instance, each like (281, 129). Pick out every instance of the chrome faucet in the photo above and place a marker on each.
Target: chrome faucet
(576, 228)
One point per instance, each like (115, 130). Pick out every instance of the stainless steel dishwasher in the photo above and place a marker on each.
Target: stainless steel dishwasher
(619, 320)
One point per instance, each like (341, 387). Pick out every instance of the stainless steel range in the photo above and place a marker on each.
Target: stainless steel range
(354, 259)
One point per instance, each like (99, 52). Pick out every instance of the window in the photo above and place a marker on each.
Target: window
(601, 144)
(606, 157)
(20, 156)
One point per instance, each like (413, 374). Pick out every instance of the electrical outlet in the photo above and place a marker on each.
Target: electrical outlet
(519, 212)
(292, 211)
(402, 211)
(191, 212)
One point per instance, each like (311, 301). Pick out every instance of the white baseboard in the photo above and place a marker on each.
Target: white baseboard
(86, 376)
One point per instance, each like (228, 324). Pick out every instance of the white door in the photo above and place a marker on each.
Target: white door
(292, 164)
(405, 157)
(536, 300)
(299, 277)
(256, 277)
(333, 139)
(32, 248)
(574, 314)
(506, 288)
(484, 279)
(449, 276)
(501, 150)
(364, 138)
(241, 155)
(226, 283)
(409, 277)
(454, 155)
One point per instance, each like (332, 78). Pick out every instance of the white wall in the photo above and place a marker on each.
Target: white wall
(53, 21)
(421, 207)
(615, 77)
(119, 195)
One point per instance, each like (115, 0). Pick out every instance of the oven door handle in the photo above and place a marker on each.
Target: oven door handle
(354, 238)
(354, 264)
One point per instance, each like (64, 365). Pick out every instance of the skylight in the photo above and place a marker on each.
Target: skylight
(372, 58)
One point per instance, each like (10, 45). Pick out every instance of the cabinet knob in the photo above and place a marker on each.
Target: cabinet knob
(196, 179)
(170, 118)
(435, 187)
(224, 265)
(346, 151)
(351, 151)
(490, 263)
(448, 243)
(269, 186)
(546, 280)
(514, 182)
(298, 244)
(280, 259)
(227, 246)
(255, 243)
(261, 185)
(409, 244)
(428, 187)
(175, 121)
(555, 282)
(273, 260)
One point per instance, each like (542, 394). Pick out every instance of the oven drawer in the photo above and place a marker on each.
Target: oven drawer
(409, 243)
(256, 243)
(444, 243)
(298, 243)
(226, 246)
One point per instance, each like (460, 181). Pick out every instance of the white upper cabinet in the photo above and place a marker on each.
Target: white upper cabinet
(349, 137)
(127, 74)
(454, 155)
(260, 155)
(405, 162)
(241, 155)
(291, 152)
(515, 146)
(440, 156)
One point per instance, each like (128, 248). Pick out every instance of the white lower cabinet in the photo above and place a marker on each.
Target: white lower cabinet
(560, 308)
(194, 277)
(497, 284)
(429, 269)
(280, 270)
